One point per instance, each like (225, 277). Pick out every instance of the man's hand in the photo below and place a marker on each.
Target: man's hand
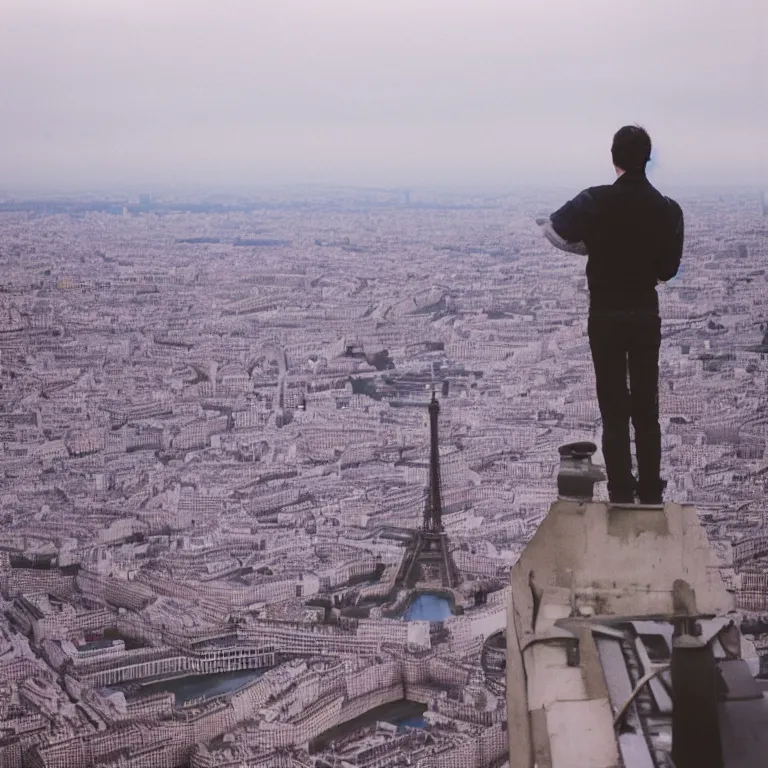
(549, 232)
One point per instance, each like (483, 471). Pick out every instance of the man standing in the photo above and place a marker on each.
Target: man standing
(632, 236)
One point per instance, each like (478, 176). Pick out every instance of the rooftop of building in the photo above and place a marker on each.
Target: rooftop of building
(622, 646)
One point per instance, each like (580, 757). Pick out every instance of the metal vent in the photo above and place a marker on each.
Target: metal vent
(577, 475)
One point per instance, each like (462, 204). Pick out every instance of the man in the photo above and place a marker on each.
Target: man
(632, 236)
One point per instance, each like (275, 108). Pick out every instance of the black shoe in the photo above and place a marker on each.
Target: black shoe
(621, 498)
(624, 494)
(656, 497)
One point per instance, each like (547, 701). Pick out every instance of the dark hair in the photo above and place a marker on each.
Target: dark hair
(631, 148)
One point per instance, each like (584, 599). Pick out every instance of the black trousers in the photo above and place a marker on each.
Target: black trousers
(625, 344)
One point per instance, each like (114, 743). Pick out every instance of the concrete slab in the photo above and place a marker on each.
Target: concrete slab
(638, 551)
(581, 734)
(542, 756)
(606, 561)
(550, 679)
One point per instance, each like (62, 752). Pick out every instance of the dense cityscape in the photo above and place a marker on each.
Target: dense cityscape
(218, 446)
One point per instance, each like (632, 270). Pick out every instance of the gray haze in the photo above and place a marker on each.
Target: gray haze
(415, 92)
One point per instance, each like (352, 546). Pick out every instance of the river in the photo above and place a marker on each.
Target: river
(193, 686)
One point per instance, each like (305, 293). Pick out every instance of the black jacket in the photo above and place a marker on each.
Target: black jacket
(633, 236)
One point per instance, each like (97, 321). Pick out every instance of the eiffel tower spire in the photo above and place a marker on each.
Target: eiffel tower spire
(433, 510)
(428, 555)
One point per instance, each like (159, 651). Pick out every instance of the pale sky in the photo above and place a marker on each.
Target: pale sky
(379, 92)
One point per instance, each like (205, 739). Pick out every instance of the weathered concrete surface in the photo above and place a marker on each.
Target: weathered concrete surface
(626, 559)
(577, 734)
(592, 560)
(518, 723)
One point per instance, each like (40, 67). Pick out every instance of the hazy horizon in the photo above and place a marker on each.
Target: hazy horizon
(404, 93)
(188, 192)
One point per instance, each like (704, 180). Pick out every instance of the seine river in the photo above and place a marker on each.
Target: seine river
(404, 714)
(186, 688)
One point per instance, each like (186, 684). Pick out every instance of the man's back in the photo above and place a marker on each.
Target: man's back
(633, 237)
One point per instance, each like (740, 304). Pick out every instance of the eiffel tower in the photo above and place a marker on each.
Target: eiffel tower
(428, 550)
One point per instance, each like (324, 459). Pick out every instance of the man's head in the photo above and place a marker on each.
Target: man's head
(631, 148)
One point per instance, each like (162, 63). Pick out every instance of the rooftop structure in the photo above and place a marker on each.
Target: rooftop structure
(621, 650)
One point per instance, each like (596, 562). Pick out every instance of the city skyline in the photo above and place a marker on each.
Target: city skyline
(215, 455)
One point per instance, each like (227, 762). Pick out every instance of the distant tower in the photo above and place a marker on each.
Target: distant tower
(433, 510)
(763, 197)
(407, 197)
(428, 552)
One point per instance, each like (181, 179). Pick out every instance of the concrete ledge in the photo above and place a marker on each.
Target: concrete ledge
(581, 734)
(587, 561)
(629, 557)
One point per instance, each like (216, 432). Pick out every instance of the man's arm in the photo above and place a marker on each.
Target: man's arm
(568, 226)
(548, 231)
(671, 251)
